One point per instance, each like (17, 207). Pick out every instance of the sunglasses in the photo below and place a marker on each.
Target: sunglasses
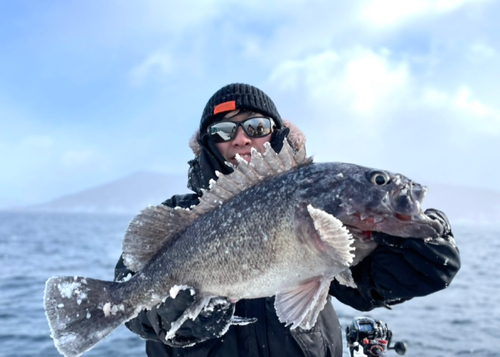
(257, 127)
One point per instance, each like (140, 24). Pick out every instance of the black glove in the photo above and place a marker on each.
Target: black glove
(402, 268)
(278, 137)
(213, 321)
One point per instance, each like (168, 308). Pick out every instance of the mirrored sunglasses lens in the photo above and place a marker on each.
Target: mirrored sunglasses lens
(221, 132)
(257, 127)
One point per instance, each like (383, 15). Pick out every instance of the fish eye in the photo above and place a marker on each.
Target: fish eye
(379, 178)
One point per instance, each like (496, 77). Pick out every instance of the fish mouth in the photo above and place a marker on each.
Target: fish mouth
(397, 212)
(360, 234)
(403, 217)
(401, 225)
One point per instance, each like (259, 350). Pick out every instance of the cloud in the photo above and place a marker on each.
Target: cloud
(359, 79)
(174, 16)
(371, 81)
(377, 108)
(158, 65)
(467, 110)
(350, 101)
(479, 51)
(463, 101)
(389, 13)
(372, 87)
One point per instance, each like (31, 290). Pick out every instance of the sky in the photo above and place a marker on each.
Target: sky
(91, 92)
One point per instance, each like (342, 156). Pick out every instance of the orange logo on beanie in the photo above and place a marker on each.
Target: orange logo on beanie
(225, 107)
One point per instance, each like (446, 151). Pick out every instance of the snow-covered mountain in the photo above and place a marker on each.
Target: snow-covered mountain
(127, 195)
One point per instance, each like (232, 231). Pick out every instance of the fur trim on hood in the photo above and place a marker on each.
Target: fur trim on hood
(296, 138)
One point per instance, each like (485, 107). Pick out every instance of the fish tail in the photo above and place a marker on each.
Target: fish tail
(82, 311)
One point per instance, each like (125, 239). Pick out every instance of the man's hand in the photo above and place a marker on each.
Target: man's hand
(408, 267)
(213, 321)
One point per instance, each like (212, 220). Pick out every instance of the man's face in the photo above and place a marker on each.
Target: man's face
(241, 144)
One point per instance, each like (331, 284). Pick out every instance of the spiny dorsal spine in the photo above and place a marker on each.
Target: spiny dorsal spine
(247, 174)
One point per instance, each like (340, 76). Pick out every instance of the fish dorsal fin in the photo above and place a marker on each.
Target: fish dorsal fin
(246, 174)
(153, 227)
(149, 231)
(301, 305)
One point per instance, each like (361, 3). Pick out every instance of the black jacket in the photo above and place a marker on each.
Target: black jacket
(398, 270)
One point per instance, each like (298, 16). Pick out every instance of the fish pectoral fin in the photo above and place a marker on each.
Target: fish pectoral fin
(334, 234)
(301, 305)
(345, 278)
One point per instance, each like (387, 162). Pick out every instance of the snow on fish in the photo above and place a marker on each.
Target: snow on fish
(280, 226)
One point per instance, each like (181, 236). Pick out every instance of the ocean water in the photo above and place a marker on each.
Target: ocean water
(463, 320)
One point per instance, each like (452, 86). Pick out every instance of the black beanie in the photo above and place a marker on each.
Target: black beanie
(238, 96)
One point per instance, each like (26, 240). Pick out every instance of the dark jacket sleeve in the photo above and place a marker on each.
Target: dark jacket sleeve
(402, 268)
(155, 323)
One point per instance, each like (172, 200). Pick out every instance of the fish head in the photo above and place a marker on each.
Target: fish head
(370, 200)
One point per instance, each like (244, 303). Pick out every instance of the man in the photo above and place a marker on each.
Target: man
(239, 117)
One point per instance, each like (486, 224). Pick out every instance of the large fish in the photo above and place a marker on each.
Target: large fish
(279, 226)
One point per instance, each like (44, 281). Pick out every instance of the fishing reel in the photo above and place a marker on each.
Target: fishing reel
(367, 337)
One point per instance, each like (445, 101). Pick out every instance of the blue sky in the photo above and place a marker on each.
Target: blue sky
(91, 92)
